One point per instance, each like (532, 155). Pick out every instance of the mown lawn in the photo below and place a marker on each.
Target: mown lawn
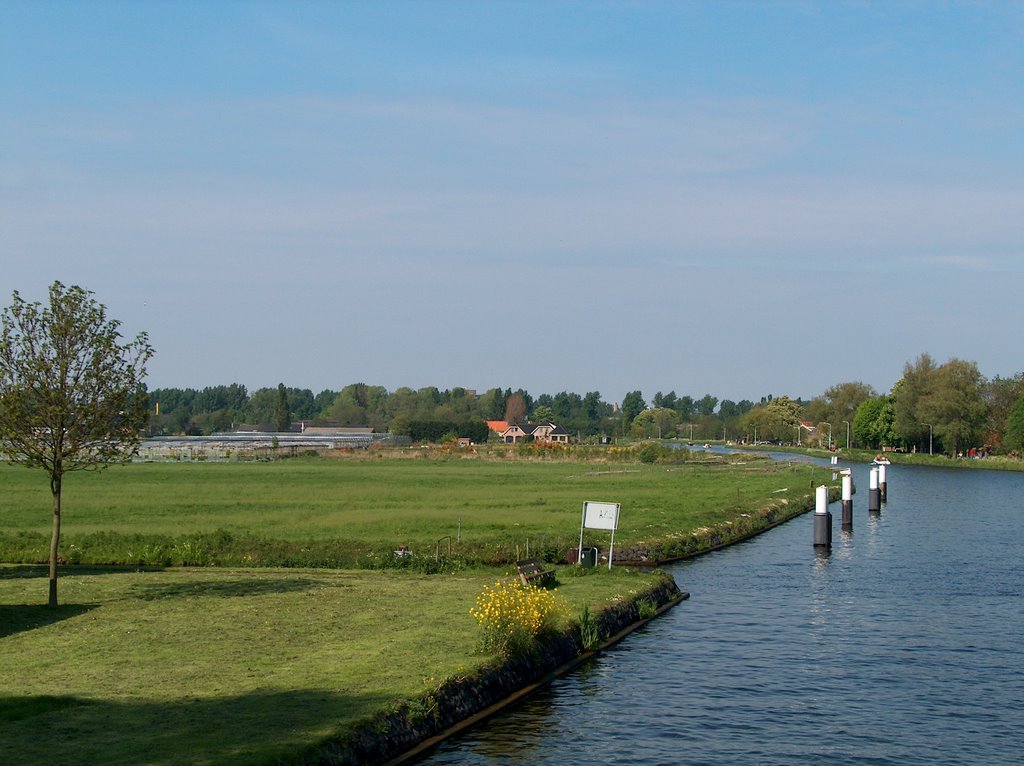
(222, 666)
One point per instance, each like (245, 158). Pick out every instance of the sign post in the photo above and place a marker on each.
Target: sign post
(599, 516)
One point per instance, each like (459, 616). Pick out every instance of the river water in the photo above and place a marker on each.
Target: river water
(904, 645)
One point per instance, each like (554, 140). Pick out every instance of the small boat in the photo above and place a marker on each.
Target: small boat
(881, 460)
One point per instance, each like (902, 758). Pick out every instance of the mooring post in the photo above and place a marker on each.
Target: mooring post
(874, 494)
(822, 519)
(847, 501)
(881, 483)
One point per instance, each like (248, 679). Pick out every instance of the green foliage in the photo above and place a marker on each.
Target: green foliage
(908, 393)
(632, 405)
(651, 452)
(655, 422)
(590, 633)
(282, 414)
(873, 423)
(646, 608)
(706, 405)
(71, 394)
(945, 402)
(542, 414)
(1014, 439)
(776, 419)
(956, 405)
(438, 430)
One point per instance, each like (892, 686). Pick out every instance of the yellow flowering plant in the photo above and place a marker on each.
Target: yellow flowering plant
(511, 615)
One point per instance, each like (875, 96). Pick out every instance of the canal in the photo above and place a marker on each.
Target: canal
(904, 645)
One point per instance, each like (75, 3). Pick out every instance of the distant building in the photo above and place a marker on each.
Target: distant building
(547, 433)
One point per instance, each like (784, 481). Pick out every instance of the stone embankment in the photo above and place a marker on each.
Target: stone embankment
(707, 539)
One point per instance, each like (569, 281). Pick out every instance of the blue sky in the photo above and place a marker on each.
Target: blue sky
(735, 198)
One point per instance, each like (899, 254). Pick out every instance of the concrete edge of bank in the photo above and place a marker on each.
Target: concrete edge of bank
(413, 728)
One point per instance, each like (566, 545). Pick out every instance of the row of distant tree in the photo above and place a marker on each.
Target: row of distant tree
(221, 408)
(942, 408)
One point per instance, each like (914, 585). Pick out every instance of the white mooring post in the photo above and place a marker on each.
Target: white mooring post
(874, 495)
(822, 519)
(847, 501)
(882, 484)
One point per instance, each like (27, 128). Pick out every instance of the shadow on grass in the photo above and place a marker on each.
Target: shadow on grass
(28, 571)
(228, 588)
(15, 618)
(260, 727)
(20, 708)
(23, 571)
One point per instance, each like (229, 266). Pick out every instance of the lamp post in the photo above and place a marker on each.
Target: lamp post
(929, 437)
(847, 433)
(829, 435)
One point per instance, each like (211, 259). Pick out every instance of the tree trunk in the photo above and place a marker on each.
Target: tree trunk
(54, 538)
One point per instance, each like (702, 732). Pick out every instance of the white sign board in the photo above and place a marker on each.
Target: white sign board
(601, 515)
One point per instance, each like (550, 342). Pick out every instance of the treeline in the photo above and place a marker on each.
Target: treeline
(949, 408)
(420, 413)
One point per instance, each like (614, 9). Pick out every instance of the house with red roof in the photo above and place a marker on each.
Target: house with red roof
(548, 433)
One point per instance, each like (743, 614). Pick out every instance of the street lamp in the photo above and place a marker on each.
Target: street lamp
(829, 435)
(929, 437)
(847, 433)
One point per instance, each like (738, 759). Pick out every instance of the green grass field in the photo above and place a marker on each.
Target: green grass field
(356, 512)
(252, 664)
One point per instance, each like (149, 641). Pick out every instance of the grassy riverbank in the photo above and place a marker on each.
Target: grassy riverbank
(220, 666)
(356, 513)
(243, 662)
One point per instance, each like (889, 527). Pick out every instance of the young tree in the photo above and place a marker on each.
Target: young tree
(71, 395)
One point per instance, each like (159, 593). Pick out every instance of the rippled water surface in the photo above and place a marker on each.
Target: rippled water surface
(904, 646)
